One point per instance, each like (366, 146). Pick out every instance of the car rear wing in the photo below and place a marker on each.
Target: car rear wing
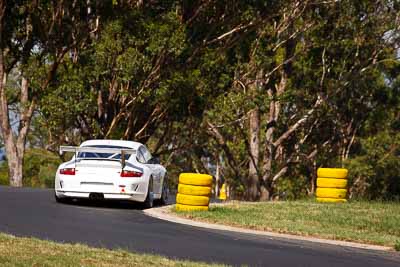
(77, 149)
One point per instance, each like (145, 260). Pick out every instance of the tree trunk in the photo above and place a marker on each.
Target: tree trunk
(15, 145)
(15, 164)
(268, 156)
(252, 189)
(313, 177)
(268, 179)
(217, 179)
(274, 111)
(274, 108)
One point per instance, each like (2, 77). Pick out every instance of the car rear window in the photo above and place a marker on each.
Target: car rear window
(91, 155)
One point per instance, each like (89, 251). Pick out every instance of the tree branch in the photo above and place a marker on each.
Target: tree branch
(298, 123)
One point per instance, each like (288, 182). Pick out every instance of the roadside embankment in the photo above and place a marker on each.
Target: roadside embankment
(366, 223)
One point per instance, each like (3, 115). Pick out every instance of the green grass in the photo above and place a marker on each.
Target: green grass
(365, 222)
(33, 252)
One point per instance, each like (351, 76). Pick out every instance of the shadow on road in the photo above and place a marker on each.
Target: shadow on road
(112, 204)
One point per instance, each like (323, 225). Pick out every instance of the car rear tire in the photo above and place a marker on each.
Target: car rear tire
(149, 201)
(164, 194)
(62, 200)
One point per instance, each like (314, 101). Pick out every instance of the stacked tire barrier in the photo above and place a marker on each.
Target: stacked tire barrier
(194, 191)
(331, 185)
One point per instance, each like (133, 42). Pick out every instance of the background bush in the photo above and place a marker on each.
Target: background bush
(40, 167)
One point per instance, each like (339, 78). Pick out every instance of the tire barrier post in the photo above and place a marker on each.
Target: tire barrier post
(222, 193)
(194, 191)
(331, 185)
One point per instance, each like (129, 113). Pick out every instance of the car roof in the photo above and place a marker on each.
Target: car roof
(109, 142)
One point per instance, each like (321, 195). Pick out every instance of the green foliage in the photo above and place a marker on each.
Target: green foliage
(160, 73)
(397, 245)
(39, 169)
(291, 188)
(375, 172)
(63, 108)
(4, 173)
(133, 72)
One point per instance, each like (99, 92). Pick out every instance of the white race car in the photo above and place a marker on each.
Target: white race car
(111, 169)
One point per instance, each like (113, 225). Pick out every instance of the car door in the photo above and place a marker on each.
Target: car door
(156, 170)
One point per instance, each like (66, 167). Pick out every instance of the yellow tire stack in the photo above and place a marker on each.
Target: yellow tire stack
(331, 185)
(194, 191)
(222, 193)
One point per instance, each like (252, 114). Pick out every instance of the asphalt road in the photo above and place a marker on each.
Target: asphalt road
(34, 212)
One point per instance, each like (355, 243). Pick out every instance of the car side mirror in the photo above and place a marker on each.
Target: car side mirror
(154, 160)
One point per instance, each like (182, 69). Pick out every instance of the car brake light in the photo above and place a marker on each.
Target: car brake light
(126, 173)
(67, 171)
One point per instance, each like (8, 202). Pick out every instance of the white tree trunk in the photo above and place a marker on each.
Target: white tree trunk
(252, 187)
(15, 144)
(217, 178)
(15, 165)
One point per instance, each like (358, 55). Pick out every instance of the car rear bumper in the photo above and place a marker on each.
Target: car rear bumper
(131, 196)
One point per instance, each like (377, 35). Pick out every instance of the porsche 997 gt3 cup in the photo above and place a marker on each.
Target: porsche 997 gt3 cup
(111, 169)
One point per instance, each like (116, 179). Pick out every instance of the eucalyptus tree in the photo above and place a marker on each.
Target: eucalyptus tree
(270, 89)
(140, 77)
(308, 74)
(35, 38)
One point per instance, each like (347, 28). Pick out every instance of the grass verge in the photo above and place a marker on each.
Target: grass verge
(15, 251)
(364, 222)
